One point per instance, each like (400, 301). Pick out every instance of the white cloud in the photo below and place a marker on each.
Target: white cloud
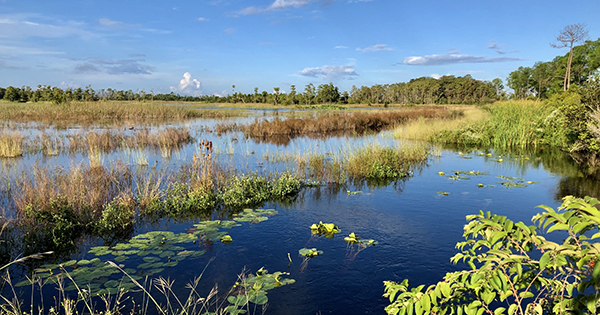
(188, 85)
(278, 5)
(498, 48)
(435, 76)
(329, 72)
(229, 31)
(23, 26)
(378, 47)
(341, 47)
(203, 19)
(111, 23)
(114, 67)
(452, 58)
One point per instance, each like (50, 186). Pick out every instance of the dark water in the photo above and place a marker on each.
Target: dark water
(415, 224)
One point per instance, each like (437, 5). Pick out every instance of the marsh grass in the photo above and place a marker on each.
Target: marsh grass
(502, 125)
(11, 144)
(375, 162)
(104, 113)
(359, 122)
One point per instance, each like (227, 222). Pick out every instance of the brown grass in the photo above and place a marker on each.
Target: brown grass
(357, 122)
(86, 189)
(105, 113)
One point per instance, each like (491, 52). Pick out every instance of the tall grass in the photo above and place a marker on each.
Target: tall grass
(506, 125)
(375, 162)
(359, 121)
(105, 113)
(11, 144)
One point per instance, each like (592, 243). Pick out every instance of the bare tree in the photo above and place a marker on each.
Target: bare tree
(568, 37)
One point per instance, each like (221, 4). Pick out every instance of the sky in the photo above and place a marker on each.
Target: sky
(205, 47)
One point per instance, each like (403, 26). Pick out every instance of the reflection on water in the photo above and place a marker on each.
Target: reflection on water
(416, 227)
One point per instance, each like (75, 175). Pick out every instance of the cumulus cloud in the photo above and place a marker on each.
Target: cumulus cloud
(278, 5)
(114, 67)
(189, 85)
(452, 58)
(329, 72)
(378, 47)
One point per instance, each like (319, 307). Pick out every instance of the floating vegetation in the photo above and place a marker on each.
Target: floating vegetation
(353, 192)
(157, 250)
(354, 239)
(326, 229)
(445, 193)
(254, 289)
(476, 173)
(360, 243)
(310, 252)
(254, 216)
(458, 175)
(514, 182)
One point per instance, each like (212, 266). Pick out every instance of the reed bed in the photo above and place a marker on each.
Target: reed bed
(358, 122)
(503, 125)
(105, 113)
(103, 141)
(11, 144)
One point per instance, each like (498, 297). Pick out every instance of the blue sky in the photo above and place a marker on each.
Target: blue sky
(205, 47)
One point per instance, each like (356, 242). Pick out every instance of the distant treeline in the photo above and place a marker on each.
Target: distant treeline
(425, 90)
(548, 78)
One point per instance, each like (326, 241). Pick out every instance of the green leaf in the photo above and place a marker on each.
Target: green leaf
(596, 272)
(512, 308)
(544, 260)
(499, 310)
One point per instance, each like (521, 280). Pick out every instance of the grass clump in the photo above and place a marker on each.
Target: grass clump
(502, 125)
(375, 162)
(11, 144)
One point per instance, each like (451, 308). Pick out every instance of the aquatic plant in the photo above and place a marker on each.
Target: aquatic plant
(326, 229)
(377, 162)
(11, 144)
(356, 244)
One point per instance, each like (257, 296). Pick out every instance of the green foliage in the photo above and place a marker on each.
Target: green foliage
(286, 185)
(116, 216)
(246, 190)
(377, 162)
(60, 225)
(507, 275)
(310, 252)
(326, 229)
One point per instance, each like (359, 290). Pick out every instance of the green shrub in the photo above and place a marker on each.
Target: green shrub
(246, 191)
(516, 270)
(286, 185)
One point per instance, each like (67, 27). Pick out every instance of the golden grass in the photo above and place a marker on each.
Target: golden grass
(11, 144)
(129, 113)
(425, 128)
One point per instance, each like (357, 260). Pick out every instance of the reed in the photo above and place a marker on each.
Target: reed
(358, 122)
(105, 113)
(508, 125)
(378, 162)
(11, 144)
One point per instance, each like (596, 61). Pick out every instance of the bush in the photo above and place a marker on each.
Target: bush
(516, 270)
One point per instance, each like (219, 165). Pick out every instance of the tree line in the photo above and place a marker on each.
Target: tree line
(424, 90)
(577, 67)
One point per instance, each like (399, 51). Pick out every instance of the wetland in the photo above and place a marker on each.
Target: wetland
(258, 211)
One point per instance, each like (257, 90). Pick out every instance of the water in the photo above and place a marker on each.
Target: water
(416, 225)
